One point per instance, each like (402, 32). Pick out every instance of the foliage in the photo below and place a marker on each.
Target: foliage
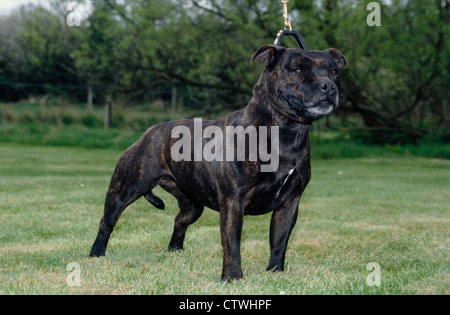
(137, 51)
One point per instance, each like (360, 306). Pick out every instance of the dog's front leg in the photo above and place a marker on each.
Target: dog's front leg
(231, 221)
(281, 225)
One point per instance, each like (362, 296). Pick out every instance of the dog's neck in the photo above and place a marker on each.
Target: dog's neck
(294, 131)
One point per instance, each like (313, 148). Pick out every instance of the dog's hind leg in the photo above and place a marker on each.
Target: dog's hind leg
(115, 204)
(189, 214)
(127, 185)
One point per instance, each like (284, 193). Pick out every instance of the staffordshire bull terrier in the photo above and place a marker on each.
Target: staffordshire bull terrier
(296, 88)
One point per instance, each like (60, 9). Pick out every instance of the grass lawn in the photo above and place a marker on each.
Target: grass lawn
(388, 210)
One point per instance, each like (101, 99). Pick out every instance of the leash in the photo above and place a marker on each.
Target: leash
(288, 31)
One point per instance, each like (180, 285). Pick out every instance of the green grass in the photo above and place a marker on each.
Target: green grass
(390, 210)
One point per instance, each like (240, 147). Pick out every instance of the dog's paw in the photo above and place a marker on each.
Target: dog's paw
(175, 248)
(232, 274)
(275, 267)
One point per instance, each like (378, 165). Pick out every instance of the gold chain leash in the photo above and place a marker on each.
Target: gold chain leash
(287, 22)
(288, 31)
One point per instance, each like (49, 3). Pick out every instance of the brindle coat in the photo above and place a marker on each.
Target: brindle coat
(296, 88)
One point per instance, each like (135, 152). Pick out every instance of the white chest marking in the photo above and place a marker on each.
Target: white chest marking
(284, 182)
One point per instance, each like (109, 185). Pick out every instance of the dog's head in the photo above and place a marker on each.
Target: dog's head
(303, 84)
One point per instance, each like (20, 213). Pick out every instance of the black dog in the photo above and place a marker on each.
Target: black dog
(296, 88)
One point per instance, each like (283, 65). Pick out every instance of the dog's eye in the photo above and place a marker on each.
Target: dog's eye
(335, 72)
(299, 71)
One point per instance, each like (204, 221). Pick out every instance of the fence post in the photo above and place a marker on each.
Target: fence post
(90, 108)
(173, 101)
(107, 122)
(2, 115)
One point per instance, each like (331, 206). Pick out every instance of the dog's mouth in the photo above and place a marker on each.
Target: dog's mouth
(324, 107)
(314, 108)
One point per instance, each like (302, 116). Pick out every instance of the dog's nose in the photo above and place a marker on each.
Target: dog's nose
(328, 87)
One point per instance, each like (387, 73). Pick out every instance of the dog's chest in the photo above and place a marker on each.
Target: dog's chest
(277, 189)
(270, 191)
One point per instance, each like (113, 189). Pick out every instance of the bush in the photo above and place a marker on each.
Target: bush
(381, 138)
(91, 121)
(68, 120)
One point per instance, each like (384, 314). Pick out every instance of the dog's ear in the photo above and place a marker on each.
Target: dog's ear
(338, 57)
(268, 55)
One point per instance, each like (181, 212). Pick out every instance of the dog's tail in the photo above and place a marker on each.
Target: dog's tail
(156, 201)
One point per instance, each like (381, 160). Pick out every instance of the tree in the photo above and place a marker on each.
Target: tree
(394, 69)
(96, 58)
(396, 83)
(35, 49)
